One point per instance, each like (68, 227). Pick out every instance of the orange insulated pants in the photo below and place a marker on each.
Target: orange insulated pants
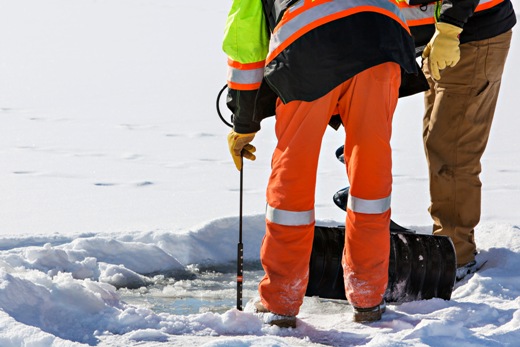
(366, 104)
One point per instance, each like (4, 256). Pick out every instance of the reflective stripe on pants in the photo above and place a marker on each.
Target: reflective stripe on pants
(366, 104)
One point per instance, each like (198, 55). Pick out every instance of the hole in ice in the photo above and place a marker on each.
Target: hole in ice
(210, 290)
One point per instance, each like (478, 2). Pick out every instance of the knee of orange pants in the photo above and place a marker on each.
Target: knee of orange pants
(285, 256)
(366, 257)
(368, 126)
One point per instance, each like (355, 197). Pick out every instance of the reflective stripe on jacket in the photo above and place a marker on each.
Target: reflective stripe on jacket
(245, 76)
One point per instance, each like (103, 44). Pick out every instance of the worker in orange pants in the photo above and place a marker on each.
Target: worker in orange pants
(300, 126)
(306, 62)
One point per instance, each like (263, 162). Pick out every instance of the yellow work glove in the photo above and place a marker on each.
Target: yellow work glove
(443, 49)
(239, 145)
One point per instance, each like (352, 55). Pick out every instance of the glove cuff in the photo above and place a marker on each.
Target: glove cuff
(448, 29)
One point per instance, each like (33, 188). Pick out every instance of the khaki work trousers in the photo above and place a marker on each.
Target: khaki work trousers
(366, 104)
(459, 110)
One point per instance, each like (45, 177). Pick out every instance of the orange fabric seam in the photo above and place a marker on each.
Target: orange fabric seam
(488, 5)
(248, 66)
(240, 86)
(417, 22)
(288, 15)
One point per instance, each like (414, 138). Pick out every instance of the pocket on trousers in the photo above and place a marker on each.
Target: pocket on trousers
(498, 50)
(495, 62)
(478, 109)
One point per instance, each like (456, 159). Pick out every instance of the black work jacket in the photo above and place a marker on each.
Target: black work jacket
(476, 26)
(322, 59)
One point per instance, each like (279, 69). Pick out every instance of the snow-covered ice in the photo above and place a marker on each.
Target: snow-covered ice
(119, 200)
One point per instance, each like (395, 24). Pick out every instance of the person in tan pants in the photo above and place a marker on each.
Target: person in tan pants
(459, 110)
